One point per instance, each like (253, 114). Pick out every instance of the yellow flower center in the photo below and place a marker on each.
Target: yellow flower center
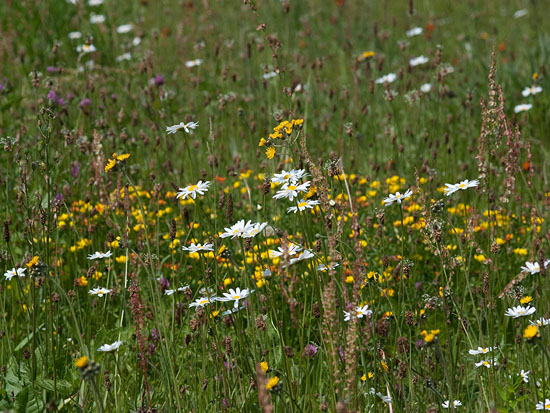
(193, 188)
(302, 204)
(236, 297)
(291, 188)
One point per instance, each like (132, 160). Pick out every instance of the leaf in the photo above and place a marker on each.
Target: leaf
(24, 342)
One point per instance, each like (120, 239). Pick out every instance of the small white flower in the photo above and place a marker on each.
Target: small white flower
(182, 125)
(531, 267)
(446, 404)
(20, 272)
(98, 255)
(136, 41)
(179, 289)
(533, 90)
(545, 405)
(124, 56)
(452, 188)
(302, 205)
(426, 88)
(540, 322)
(99, 291)
(95, 3)
(198, 247)
(415, 31)
(97, 18)
(201, 302)
(520, 13)
(193, 63)
(110, 347)
(397, 197)
(525, 375)
(306, 254)
(75, 35)
(125, 28)
(269, 75)
(292, 176)
(324, 267)
(360, 312)
(389, 78)
(420, 60)
(255, 230)
(85, 48)
(291, 249)
(519, 311)
(291, 191)
(524, 107)
(238, 229)
(192, 190)
(234, 295)
(486, 363)
(480, 350)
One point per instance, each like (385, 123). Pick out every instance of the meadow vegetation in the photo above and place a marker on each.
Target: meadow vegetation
(274, 206)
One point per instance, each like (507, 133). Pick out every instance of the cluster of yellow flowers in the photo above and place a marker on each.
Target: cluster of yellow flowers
(281, 131)
(116, 159)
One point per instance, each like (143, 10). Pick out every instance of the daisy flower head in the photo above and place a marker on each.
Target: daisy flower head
(75, 35)
(193, 63)
(302, 206)
(198, 247)
(540, 322)
(480, 350)
(20, 272)
(187, 127)
(85, 48)
(452, 188)
(533, 90)
(363, 311)
(179, 289)
(201, 302)
(110, 347)
(447, 404)
(255, 230)
(125, 28)
(415, 31)
(324, 267)
(485, 363)
(234, 295)
(397, 197)
(519, 311)
(525, 375)
(97, 18)
(291, 190)
(292, 176)
(99, 291)
(192, 190)
(306, 254)
(545, 405)
(524, 107)
(420, 60)
(98, 255)
(238, 229)
(389, 78)
(534, 267)
(290, 249)
(426, 88)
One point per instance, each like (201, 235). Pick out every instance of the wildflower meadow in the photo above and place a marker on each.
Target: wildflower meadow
(274, 206)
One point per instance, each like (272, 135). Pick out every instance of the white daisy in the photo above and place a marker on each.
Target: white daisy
(534, 267)
(397, 197)
(446, 404)
(540, 322)
(486, 363)
(95, 3)
(182, 125)
(452, 188)
(20, 272)
(291, 249)
(306, 254)
(324, 267)
(193, 63)
(389, 78)
(255, 230)
(545, 405)
(99, 291)
(426, 88)
(420, 60)
(98, 255)
(234, 295)
(238, 229)
(97, 18)
(198, 247)
(85, 48)
(125, 28)
(292, 176)
(415, 31)
(525, 375)
(524, 107)
(269, 75)
(110, 347)
(520, 13)
(192, 190)
(302, 205)
(75, 35)
(124, 56)
(480, 350)
(179, 289)
(519, 311)
(291, 191)
(201, 302)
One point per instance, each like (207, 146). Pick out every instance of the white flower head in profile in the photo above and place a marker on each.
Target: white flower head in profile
(389, 78)
(524, 107)
(420, 60)
(397, 197)
(110, 347)
(187, 127)
(415, 31)
(192, 190)
(520, 311)
(452, 188)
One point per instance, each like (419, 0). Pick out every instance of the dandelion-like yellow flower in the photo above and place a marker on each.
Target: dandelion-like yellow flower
(32, 262)
(110, 165)
(272, 382)
(270, 152)
(530, 331)
(264, 366)
(82, 362)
